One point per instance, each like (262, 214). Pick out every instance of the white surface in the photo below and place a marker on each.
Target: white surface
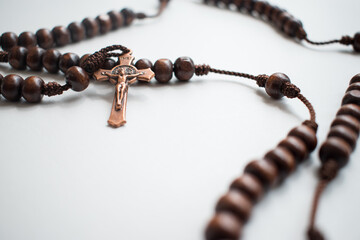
(64, 174)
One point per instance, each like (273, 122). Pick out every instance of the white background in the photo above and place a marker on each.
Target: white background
(64, 174)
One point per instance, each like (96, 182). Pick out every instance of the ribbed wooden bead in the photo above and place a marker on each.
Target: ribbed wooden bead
(77, 31)
(104, 22)
(61, 36)
(353, 86)
(68, 60)
(352, 96)
(45, 38)
(11, 87)
(348, 121)
(91, 27)
(8, 40)
(350, 109)
(31, 89)
(77, 78)
(34, 58)
(108, 64)
(274, 84)
(356, 43)
(355, 79)
(50, 60)
(163, 69)
(345, 133)
(223, 226)
(250, 185)
(336, 149)
(306, 134)
(128, 15)
(296, 146)
(17, 57)
(143, 64)
(283, 159)
(117, 20)
(27, 39)
(237, 203)
(265, 171)
(184, 68)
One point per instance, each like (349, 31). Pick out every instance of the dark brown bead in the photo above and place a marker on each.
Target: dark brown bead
(184, 68)
(1, 79)
(128, 15)
(68, 60)
(223, 226)
(283, 159)
(275, 12)
(274, 85)
(61, 36)
(350, 109)
(83, 59)
(265, 171)
(104, 22)
(306, 134)
(352, 96)
(17, 57)
(296, 146)
(356, 43)
(355, 79)
(268, 10)
(336, 149)
(237, 203)
(345, 133)
(291, 27)
(249, 185)
(281, 19)
(77, 78)
(238, 3)
(27, 39)
(353, 86)
(248, 5)
(348, 121)
(117, 19)
(108, 64)
(45, 38)
(34, 58)
(77, 31)
(143, 64)
(8, 40)
(260, 7)
(31, 89)
(11, 87)
(163, 69)
(91, 27)
(51, 59)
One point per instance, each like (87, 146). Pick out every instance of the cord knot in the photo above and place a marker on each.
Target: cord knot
(290, 90)
(54, 88)
(311, 124)
(201, 70)
(261, 80)
(346, 40)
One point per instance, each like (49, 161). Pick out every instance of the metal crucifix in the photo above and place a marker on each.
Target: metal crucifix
(122, 76)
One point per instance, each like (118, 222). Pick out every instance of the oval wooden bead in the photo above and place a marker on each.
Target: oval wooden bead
(223, 226)
(27, 39)
(50, 60)
(34, 58)
(77, 31)
(336, 149)
(91, 27)
(283, 159)
(352, 96)
(353, 86)
(350, 109)
(45, 38)
(296, 146)
(237, 203)
(77, 78)
(306, 134)
(143, 64)
(108, 64)
(163, 69)
(61, 36)
(345, 133)
(348, 121)
(265, 171)
(128, 15)
(274, 85)
(8, 40)
(11, 87)
(117, 19)
(249, 185)
(17, 57)
(31, 89)
(104, 22)
(356, 43)
(68, 60)
(355, 79)
(184, 68)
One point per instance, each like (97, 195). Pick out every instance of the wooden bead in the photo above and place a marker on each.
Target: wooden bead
(296, 146)
(348, 121)
(27, 39)
(248, 5)
(11, 87)
(163, 69)
(77, 31)
(306, 134)
(337, 149)
(268, 11)
(91, 27)
(345, 133)
(17, 57)
(143, 64)
(238, 4)
(350, 109)
(1, 79)
(283, 159)
(265, 171)
(45, 38)
(77, 78)
(31, 89)
(108, 64)
(34, 58)
(274, 85)
(275, 12)
(128, 15)
(61, 36)
(281, 19)
(8, 40)
(291, 27)
(184, 68)
(237, 203)
(353, 86)
(83, 59)
(223, 226)
(356, 78)
(356, 44)
(249, 185)
(260, 7)
(117, 20)
(352, 96)
(50, 60)
(104, 22)
(68, 60)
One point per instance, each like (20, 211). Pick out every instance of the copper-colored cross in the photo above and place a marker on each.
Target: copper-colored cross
(122, 76)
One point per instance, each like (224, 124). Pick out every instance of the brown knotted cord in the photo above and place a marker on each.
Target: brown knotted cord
(345, 40)
(54, 88)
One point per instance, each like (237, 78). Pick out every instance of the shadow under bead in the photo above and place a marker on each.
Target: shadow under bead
(17, 57)
(32, 89)
(27, 39)
(61, 36)
(8, 40)
(34, 58)
(77, 78)
(50, 60)
(45, 38)
(11, 87)
(68, 60)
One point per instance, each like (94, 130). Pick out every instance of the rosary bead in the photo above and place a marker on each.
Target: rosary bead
(8, 40)
(306, 134)
(260, 7)
(350, 109)
(17, 57)
(354, 86)
(248, 5)
(275, 12)
(91, 27)
(265, 171)
(77, 31)
(184, 68)
(45, 38)
(237, 203)
(143, 64)
(1, 79)
(61, 36)
(283, 159)
(104, 22)
(291, 27)
(77, 78)
(223, 226)
(83, 59)
(117, 19)
(337, 149)
(356, 44)
(268, 11)
(296, 146)
(108, 64)
(355, 79)
(352, 96)
(50, 60)
(281, 19)
(249, 185)
(34, 58)
(31, 89)
(68, 60)
(344, 133)
(274, 85)
(128, 15)
(11, 87)
(348, 121)
(163, 69)
(27, 39)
